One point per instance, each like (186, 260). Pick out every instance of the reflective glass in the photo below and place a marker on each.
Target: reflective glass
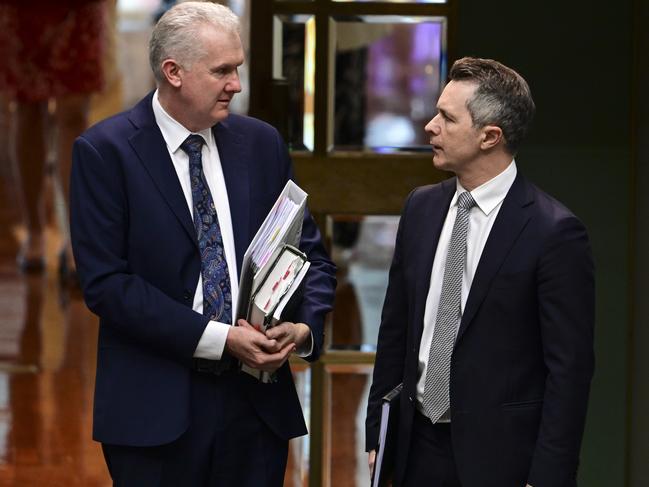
(362, 249)
(394, 1)
(5, 417)
(346, 460)
(389, 72)
(294, 69)
(297, 467)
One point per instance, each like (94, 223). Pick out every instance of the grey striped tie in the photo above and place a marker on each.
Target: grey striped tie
(436, 390)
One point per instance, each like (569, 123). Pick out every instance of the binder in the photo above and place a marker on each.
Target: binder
(272, 252)
(286, 271)
(282, 225)
(385, 453)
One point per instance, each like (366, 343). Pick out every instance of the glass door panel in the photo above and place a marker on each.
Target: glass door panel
(361, 247)
(389, 71)
(345, 459)
(294, 76)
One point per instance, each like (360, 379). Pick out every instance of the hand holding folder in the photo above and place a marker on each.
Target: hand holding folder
(384, 462)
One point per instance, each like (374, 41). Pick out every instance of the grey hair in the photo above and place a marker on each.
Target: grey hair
(174, 36)
(502, 98)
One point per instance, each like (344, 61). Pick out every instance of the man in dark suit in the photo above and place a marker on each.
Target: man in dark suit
(165, 200)
(488, 317)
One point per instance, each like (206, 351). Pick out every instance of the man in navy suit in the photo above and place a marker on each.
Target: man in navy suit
(488, 317)
(166, 198)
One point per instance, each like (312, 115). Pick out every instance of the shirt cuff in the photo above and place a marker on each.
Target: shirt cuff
(306, 348)
(212, 342)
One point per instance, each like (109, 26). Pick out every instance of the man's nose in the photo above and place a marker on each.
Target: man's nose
(432, 127)
(234, 83)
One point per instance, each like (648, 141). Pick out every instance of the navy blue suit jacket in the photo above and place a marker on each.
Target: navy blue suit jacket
(523, 359)
(139, 264)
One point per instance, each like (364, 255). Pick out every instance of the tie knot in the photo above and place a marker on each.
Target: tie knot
(192, 145)
(465, 200)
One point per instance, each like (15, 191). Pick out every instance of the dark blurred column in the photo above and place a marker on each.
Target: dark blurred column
(638, 471)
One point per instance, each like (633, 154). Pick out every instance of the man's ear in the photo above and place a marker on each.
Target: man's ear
(492, 135)
(172, 72)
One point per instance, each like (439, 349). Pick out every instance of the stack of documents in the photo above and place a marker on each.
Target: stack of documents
(276, 224)
(273, 267)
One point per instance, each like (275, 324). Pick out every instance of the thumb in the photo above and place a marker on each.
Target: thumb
(244, 324)
(286, 350)
(274, 332)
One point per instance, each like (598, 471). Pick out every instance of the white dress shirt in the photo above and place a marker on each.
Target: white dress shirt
(212, 342)
(489, 198)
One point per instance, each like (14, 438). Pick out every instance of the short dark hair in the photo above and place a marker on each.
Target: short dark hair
(502, 98)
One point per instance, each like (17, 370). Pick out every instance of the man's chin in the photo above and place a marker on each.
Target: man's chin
(221, 115)
(439, 162)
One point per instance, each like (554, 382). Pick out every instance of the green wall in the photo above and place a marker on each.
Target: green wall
(577, 58)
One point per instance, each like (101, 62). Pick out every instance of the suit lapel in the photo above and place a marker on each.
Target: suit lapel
(514, 215)
(234, 161)
(151, 149)
(428, 237)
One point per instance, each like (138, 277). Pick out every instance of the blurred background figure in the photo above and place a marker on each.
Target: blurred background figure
(52, 56)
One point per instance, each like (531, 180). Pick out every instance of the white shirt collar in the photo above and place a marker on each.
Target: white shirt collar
(173, 132)
(490, 194)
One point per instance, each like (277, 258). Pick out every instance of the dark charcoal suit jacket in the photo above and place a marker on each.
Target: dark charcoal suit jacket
(523, 360)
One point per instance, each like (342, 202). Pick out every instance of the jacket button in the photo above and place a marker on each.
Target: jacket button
(187, 296)
(410, 398)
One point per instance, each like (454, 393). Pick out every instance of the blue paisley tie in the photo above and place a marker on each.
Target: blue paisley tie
(217, 294)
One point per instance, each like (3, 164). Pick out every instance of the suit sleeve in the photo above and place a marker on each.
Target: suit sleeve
(133, 308)
(566, 300)
(316, 298)
(391, 346)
